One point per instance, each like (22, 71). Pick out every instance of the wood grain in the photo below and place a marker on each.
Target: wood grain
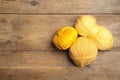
(35, 32)
(26, 31)
(27, 53)
(59, 6)
(37, 58)
(58, 73)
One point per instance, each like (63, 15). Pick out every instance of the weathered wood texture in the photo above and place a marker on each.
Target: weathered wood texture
(35, 32)
(26, 31)
(59, 6)
(26, 50)
(58, 73)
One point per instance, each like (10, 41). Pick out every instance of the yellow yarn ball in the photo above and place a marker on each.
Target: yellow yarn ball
(87, 20)
(103, 38)
(86, 26)
(83, 51)
(64, 37)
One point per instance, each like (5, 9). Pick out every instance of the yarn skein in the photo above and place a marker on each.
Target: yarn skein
(103, 38)
(86, 26)
(83, 51)
(64, 37)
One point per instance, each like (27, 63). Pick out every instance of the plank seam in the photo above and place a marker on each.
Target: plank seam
(63, 13)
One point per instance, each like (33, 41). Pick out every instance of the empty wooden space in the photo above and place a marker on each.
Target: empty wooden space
(60, 6)
(26, 31)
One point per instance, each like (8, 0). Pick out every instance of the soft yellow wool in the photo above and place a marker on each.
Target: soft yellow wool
(103, 38)
(86, 26)
(64, 37)
(83, 51)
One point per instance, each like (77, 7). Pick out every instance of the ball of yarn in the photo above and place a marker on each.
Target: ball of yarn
(87, 20)
(103, 38)
(86, 26)
(83, 51)
(64, 37)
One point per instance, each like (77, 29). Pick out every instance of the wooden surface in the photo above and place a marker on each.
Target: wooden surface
(26, 31)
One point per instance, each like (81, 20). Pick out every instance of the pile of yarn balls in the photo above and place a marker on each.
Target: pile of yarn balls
(83, 40)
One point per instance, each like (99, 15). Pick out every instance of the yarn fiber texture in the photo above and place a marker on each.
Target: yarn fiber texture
(64, 37)
(83, 51)
(86, 26)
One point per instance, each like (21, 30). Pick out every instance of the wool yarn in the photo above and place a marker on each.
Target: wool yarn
(103, 38)
(83, 51)
(64, 37)
(86, 26)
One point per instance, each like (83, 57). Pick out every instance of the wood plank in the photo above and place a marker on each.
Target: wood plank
(59, 58)
(22, 58)
(59, 6)
(36, 58)
(35, 32)
(49, 66)
(58, 73)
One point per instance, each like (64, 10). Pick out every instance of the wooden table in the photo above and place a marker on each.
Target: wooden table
(26, 31)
